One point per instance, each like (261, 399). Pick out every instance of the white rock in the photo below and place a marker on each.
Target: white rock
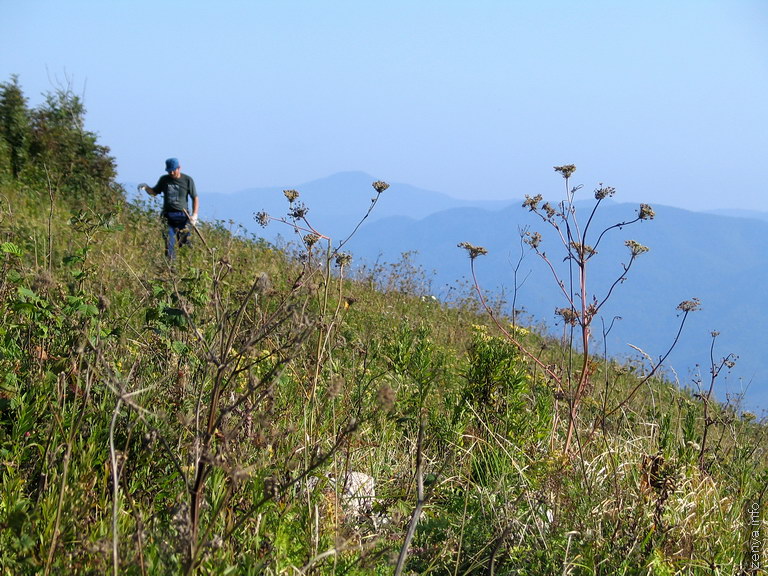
(357, 496)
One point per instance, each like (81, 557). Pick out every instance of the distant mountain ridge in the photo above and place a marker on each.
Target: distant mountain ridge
(717, 258)
(735, 213)
(336, 202)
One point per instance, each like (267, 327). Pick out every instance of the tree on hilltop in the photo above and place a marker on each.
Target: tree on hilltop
(14, 124)
(49, 148)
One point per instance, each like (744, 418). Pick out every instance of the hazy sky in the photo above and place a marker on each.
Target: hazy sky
(667, 101)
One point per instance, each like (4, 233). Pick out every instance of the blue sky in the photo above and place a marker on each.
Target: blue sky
(665, 101)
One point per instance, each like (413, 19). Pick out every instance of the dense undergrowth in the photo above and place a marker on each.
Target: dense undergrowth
(201, 418)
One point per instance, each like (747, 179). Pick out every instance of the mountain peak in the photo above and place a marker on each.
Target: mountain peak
(347, 178)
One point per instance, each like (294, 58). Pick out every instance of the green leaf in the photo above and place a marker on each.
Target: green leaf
(179, 347)
(26, 293)
(11, 248)
(88, 310)
(73, 259)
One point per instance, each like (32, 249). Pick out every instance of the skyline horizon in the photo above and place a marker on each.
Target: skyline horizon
(512, 198)
(662, 101)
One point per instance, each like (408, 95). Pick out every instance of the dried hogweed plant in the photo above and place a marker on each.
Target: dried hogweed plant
(580, 245)
(331, 309)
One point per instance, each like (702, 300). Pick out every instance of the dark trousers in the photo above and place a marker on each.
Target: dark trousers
(176, 232)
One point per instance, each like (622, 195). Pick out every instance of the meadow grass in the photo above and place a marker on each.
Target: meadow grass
(163, 419)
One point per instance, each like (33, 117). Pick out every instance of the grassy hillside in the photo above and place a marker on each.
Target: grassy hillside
(209, 418)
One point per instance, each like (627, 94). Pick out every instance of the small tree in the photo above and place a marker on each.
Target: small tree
(67, 157)
(14, 124)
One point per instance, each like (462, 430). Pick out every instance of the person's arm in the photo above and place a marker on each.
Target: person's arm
(195, 201)
(193, 216)
(148, 190)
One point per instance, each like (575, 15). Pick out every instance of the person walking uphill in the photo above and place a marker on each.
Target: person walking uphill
(177, 189)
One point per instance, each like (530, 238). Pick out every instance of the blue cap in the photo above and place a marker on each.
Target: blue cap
(171, 164)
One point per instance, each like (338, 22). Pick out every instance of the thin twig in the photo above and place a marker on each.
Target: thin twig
(419, 502)
(653, 371)
(115, 488)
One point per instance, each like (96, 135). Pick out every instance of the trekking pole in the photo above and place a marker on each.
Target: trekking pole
(194, 227)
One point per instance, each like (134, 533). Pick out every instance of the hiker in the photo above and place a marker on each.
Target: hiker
(176, 189)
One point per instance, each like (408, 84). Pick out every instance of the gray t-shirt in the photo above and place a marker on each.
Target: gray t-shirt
(176, 192)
